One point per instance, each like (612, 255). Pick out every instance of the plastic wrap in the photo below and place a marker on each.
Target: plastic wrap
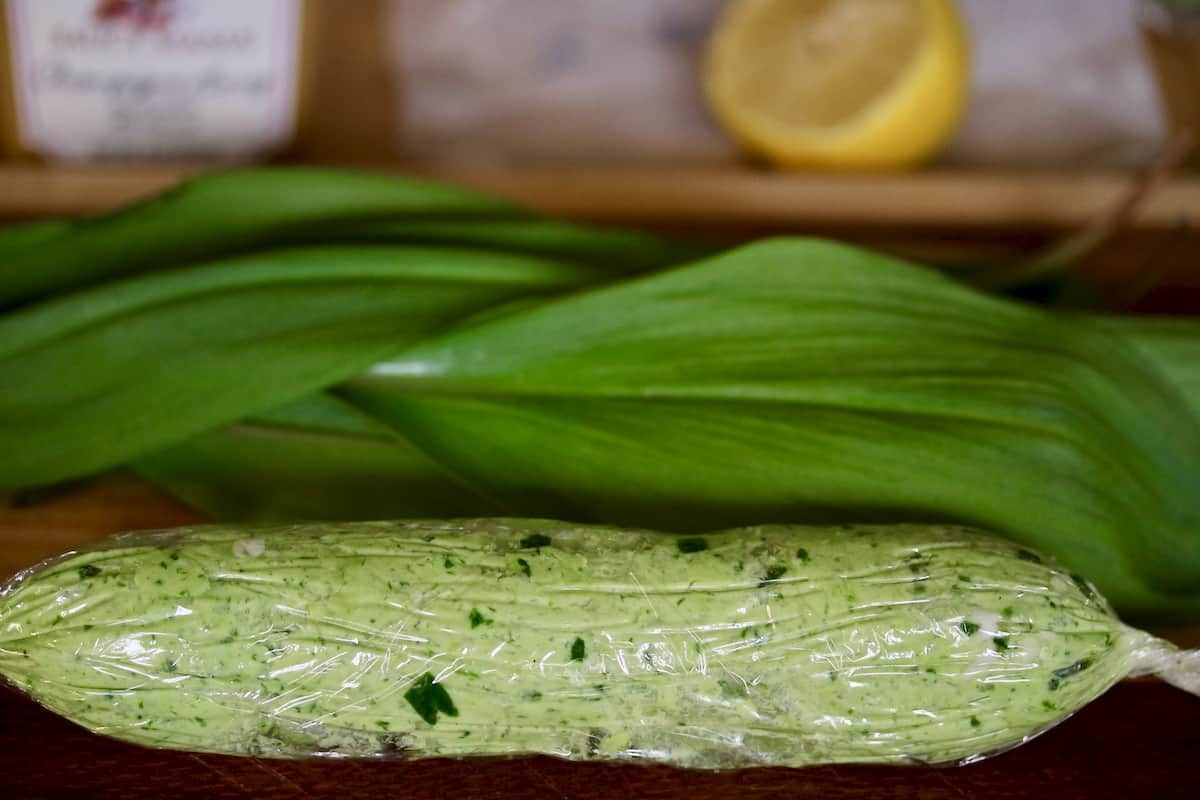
(773, 645)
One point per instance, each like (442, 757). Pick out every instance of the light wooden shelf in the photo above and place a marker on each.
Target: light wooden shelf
(700, 196)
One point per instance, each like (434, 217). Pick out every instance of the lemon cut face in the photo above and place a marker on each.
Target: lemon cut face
(839, 84)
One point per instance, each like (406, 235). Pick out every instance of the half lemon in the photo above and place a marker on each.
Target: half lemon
(839, 84)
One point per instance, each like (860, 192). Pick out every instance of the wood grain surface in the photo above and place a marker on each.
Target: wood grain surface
(946, 199)
(1140, 740)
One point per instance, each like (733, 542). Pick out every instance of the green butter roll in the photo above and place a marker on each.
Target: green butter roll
(772, 645)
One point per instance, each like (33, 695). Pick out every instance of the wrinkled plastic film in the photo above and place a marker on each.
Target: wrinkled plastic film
(1153, 656)
(776, 645)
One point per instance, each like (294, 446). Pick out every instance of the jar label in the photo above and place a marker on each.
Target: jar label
(154, 79)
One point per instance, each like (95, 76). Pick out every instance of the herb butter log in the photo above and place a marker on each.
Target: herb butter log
(760, 646)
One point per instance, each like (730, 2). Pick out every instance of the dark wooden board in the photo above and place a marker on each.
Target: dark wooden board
(1140, 740)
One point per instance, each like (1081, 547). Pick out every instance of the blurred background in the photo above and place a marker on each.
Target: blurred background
(1065, 84)
(941, 129)
(1068, 84)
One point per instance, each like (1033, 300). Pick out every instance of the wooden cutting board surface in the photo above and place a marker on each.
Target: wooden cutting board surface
(1139, 740)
